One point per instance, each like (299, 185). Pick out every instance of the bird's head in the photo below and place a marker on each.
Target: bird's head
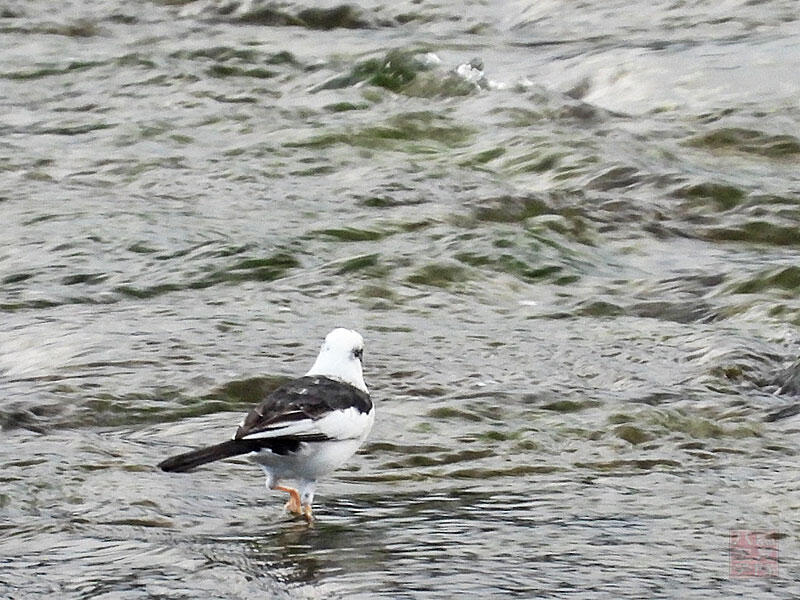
(341, 358)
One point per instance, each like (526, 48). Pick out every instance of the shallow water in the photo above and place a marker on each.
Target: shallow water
(568, 232)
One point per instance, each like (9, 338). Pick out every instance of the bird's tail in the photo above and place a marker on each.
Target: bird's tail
(188, 461)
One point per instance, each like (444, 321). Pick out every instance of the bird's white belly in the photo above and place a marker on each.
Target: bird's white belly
(311, 462)
(313, 459)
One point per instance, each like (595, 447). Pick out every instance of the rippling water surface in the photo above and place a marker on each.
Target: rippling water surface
(569, 232)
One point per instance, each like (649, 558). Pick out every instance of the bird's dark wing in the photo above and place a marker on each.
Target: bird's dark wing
(310, 408)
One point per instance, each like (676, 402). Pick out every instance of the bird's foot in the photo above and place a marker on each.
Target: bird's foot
(293, 505)
(307, 514)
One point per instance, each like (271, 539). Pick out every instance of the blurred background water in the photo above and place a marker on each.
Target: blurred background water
(569, 232)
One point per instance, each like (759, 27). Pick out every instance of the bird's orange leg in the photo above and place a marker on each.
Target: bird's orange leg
(307, 514)
(293, 505)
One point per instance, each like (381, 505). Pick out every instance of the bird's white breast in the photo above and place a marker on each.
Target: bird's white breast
(346, 424)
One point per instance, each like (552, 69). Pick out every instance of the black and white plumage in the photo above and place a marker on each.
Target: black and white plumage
(305, 428)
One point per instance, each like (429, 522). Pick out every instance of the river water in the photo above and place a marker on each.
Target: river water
(568, 231)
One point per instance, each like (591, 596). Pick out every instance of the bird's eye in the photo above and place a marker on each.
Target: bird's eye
(358, 353)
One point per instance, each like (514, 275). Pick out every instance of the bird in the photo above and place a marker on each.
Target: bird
(305, 428)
